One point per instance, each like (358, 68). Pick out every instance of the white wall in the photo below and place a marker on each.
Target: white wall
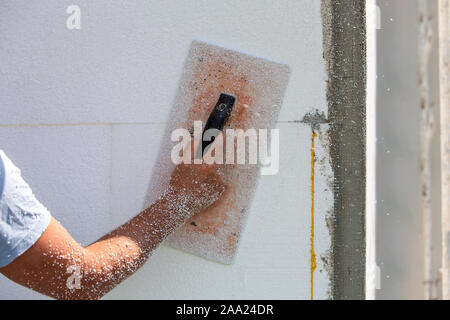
(83, 112)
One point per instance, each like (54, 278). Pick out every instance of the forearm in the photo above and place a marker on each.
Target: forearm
(120, 253)
(57, 266)
(54, 263)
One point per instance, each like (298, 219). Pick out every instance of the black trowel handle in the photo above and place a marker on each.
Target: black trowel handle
(218, 117)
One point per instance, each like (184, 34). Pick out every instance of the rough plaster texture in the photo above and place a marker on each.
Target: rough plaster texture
(345, 52)
(83, 113)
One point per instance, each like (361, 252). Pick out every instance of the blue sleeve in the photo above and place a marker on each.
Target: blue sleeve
(23, 218)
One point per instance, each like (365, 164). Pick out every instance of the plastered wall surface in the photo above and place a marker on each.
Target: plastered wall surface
(83, 113)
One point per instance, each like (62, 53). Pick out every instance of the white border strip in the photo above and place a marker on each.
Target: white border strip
(372, 21)
(444, 45)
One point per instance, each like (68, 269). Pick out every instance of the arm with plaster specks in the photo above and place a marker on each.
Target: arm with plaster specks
(51, 266)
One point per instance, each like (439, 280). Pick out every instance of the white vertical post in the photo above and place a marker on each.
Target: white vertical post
(372, 23)
(426, 135)
(444, 44)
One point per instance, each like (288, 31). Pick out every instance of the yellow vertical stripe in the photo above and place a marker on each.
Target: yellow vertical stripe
(313, 253)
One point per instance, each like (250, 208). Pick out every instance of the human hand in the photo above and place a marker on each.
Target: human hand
(194, 187)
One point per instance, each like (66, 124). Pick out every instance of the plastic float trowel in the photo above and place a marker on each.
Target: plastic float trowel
(223, 89)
